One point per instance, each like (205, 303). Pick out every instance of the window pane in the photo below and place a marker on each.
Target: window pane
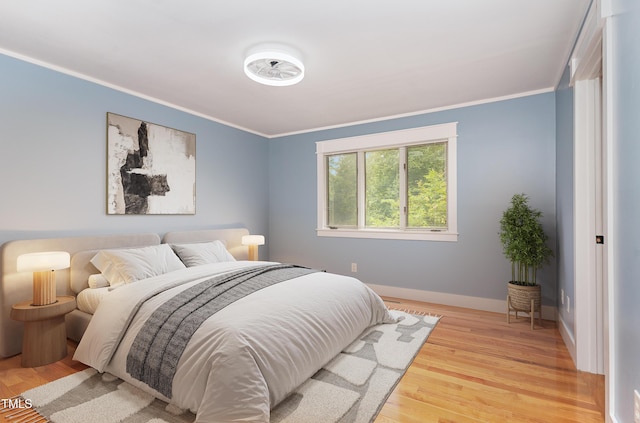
(382, 189)
(342, 184)
(427, 186)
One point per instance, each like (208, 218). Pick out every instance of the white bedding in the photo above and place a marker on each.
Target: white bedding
(89, 298)
(249, 356)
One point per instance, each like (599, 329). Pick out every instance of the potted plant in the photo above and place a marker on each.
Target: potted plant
(524, 244)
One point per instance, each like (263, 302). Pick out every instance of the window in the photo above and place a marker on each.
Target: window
(399, 184)
(343, 190)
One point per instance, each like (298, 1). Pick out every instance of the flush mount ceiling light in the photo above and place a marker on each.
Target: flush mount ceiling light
(274, 67)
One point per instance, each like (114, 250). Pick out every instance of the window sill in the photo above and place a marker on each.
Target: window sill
(388, 234)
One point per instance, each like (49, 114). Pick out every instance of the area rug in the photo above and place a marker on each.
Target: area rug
(352, 388)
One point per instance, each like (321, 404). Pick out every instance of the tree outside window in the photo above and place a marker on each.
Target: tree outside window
(400, 185)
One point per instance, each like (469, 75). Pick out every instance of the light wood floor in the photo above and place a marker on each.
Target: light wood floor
(473, 368)
(477, 368)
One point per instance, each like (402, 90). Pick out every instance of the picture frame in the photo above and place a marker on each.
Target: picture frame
(151, 169)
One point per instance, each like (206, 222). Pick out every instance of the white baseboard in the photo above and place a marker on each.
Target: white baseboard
(476, 303)
(568, 338)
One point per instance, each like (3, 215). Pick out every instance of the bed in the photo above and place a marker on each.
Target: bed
(265, 329)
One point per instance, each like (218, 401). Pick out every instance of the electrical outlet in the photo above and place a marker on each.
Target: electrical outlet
(354, 267)
(562, 296)
(636, 406)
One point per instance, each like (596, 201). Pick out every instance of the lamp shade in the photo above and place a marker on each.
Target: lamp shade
(38, 262)
(253, 240)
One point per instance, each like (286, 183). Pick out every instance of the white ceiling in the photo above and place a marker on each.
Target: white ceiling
(365, 59)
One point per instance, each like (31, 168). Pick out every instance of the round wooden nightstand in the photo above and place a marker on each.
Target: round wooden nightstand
(45, 334)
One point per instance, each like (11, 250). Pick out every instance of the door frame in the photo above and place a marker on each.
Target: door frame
(591, 73)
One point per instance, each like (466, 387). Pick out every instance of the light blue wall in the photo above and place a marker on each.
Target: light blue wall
(564, 199)
(504, 148)
(53, 160)
(625, 37)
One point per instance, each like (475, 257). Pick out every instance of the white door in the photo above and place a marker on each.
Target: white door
(590, 230)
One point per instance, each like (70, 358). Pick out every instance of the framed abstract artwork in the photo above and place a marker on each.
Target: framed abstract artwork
(151, 169)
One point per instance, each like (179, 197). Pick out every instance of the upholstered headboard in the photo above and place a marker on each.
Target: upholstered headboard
(16, 287)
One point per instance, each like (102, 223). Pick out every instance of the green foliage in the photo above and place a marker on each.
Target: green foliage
(342, 190)
(428, 201)
(382, 189)
(427, 184)
(523, 240)
(426, 188)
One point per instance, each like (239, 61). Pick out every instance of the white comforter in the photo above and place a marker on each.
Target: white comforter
(249, 356)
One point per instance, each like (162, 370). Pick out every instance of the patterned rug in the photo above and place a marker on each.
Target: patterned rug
(352, 388)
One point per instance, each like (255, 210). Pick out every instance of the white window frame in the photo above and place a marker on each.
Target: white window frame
(446, 132)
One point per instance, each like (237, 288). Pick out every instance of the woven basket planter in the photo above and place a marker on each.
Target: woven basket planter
(524, 298)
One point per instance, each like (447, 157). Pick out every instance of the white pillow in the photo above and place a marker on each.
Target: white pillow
(202, 253)
(132, 264)
(98, 281)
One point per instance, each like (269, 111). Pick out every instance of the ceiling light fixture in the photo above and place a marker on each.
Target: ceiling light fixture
(274, 67)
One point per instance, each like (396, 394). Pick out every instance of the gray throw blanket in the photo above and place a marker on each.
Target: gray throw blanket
(161, 341)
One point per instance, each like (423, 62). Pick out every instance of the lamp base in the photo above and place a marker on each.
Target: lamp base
(44, 287)
(253, 252)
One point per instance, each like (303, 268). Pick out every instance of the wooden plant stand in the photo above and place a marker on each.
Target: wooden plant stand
(526, 299)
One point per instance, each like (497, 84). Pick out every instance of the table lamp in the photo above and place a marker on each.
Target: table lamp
(43, 265)
(253, 241)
